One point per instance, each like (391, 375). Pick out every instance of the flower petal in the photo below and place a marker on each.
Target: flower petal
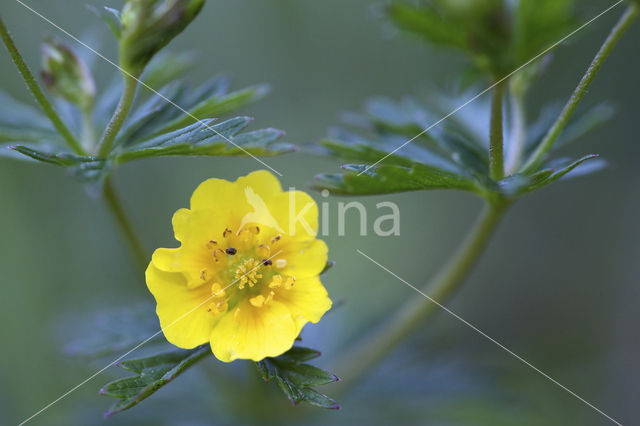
(182, 312)
(304, 259)
(215, 194)
(253, 333)
(307, 300)
(297, 214)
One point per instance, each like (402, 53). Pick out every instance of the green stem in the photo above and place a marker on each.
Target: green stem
(496, 138)
(126, 227)
(518, 133)
(413, 313)
(623, 24)
(120, 114)
(88, 130)
(37, 92)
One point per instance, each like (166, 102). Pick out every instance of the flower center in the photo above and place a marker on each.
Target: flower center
(245, 270)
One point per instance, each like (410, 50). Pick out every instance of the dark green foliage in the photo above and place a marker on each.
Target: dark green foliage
(452, 155)
(152, 373)
(296, 378)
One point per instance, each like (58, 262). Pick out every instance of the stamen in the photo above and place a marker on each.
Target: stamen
(257, 301)
(225, 232)
(263, 251)
(276, 239)
(203, 275)
(281, 263)
(267, 262)
(231, 251)
(276, 281)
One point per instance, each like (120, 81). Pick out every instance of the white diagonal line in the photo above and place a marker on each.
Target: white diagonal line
(500, 345)
(142, 83)
(64, 395)
(538, 56)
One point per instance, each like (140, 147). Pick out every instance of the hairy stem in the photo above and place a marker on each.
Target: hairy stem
(623, 24)
(37, 92)
(120, 114)
(413, 313)
(517, 140)
(496, 138)
(114, 204)
(88, 130)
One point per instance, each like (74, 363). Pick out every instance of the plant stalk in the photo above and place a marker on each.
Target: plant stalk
(496, 135)
(412, 314)
(37, 92)
(120, 114)
(135, 244)
(518, 132)
(623, 24)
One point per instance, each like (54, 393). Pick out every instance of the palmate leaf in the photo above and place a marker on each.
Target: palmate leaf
(207, 138)
(453, 155)
(297, 379)
(152, 373)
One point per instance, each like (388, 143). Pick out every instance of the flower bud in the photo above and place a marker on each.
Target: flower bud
(149, 25)
(66, 75)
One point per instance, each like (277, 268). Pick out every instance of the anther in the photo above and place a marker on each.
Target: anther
(225, 232)
(275, 239)
(231, 251)
(267, 262)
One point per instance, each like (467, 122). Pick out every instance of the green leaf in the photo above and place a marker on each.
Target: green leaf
(295, 378)
(82, 168)
(152, 373)
(217, 106)
(390, 178)
(521, 184)
(427, 23)
(206, 138)
(111, 17)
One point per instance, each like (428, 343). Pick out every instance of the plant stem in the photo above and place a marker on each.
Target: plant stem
(37, 92)
(120, 114)
(623, 24)
(410, 315)
(518, 133)
(88, 130)
(496, 138)
(126, 227)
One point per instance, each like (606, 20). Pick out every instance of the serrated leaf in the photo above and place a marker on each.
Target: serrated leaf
(295, 378)
(390, 178)
(206, 138)
(521, 184)
(319, 400)
(217, 106)
(153, 373)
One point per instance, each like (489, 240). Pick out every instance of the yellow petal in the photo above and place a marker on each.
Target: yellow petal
(297, 214)
(307, 300)
(183, 314)
(253, 333)
(214, 194)
(304, 259)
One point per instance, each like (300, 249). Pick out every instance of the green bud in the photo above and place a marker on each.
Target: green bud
(149, 25)
(66, 75)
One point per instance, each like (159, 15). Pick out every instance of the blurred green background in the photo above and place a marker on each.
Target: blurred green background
(558, 284)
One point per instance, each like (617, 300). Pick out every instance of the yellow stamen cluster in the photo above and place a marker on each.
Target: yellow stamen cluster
(248, 273)
(219, 302)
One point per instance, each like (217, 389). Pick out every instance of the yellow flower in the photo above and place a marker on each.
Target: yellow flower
(246, 276)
